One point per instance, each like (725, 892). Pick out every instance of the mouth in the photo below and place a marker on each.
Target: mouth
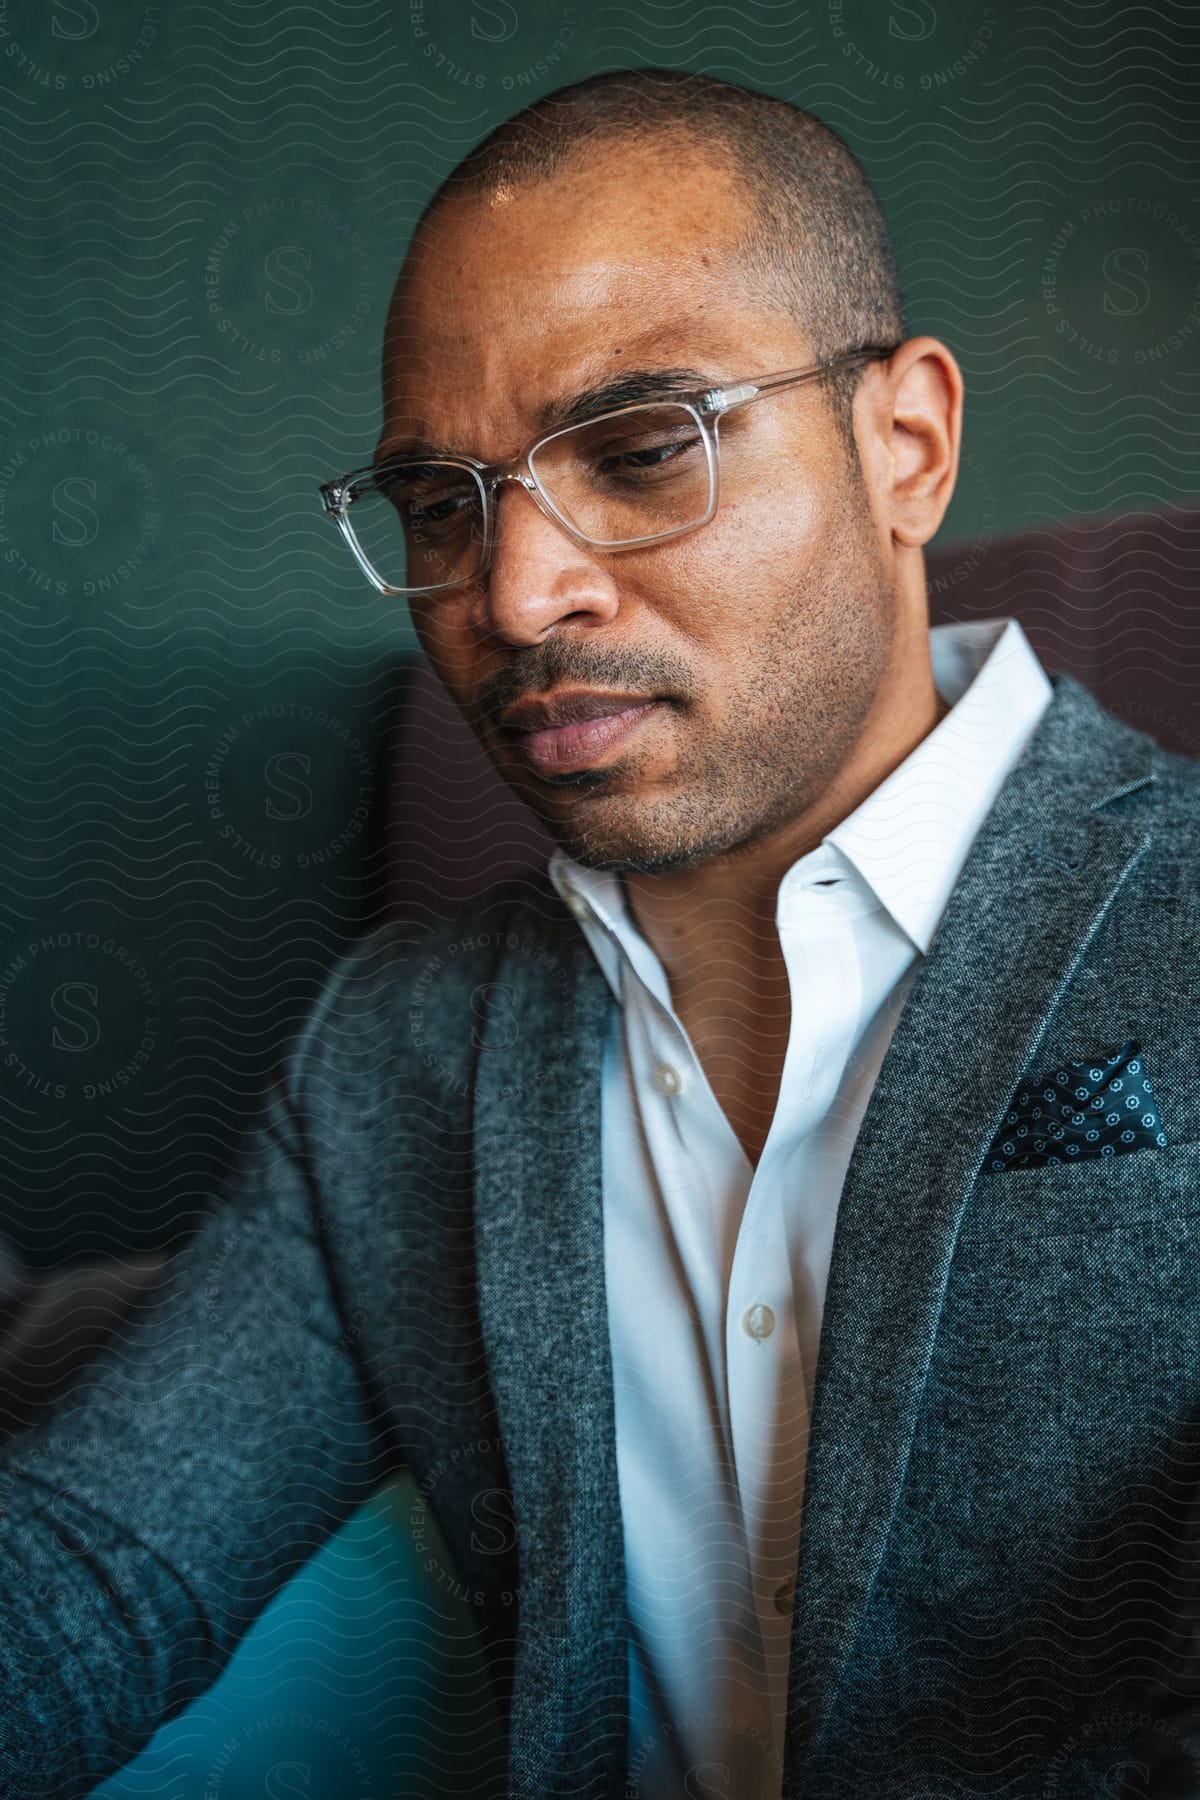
(557, 749)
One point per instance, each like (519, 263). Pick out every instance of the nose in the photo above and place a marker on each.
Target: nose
(539, 576)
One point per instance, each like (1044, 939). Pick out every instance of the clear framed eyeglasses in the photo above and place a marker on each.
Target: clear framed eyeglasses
(635, 475)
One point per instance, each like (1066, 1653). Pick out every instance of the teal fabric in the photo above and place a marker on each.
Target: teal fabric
(407, 1271)
(362, 1680)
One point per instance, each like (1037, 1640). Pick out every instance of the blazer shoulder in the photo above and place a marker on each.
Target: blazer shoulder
(362, 1019)
(1177, 778)
(1169, 806)
(1100, 739)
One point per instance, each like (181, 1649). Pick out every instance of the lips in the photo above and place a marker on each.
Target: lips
(573, 707)
(575, 744)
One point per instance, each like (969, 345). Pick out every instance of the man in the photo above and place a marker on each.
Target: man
(758, 1234)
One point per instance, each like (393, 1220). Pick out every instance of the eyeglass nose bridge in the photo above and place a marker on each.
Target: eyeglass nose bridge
(510, 472)
(519, 471)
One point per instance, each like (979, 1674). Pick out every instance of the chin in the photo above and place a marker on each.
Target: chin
(631, 850)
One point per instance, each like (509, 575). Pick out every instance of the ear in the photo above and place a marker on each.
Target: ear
(914, 431)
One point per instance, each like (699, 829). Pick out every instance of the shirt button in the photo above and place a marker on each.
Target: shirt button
(783, 1596)
(578, 904)
(758, 1321)
(666, 1079)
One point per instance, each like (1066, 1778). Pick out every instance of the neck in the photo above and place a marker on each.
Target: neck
(724, 911)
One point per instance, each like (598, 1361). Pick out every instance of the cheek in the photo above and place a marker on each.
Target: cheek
(778, 473)
(443, 635)
(792, 512)
(725, 584)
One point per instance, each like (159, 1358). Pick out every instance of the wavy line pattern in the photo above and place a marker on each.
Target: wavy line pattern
(203, 210)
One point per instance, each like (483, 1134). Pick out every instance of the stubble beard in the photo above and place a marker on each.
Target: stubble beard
(785, 734)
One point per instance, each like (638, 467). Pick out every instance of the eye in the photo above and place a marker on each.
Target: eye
(637, 458)
(429, 496)
(648, 446)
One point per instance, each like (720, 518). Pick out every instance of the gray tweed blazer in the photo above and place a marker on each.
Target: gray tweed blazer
(408, 1271)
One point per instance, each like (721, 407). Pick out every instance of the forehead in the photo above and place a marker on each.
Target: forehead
(522, 295)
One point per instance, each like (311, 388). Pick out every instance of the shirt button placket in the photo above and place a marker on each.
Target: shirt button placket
(758, 1321)
(666, 1078)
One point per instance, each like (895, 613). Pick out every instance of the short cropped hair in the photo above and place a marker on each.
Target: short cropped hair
(816, 246)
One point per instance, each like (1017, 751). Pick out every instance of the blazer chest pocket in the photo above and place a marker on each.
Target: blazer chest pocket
(1151, 1187)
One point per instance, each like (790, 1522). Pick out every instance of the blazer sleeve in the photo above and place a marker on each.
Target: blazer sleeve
(185, 1475)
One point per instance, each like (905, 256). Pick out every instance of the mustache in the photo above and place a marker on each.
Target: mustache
(558, 665)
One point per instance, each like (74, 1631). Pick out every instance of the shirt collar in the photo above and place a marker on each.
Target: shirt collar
(906, 842)
(911, 835)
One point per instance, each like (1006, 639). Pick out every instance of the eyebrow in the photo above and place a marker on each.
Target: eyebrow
(625, 389)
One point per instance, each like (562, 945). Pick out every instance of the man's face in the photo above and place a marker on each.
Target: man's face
(763, 635)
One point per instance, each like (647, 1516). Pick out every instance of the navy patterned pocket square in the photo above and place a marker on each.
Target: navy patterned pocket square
(1100, 1108)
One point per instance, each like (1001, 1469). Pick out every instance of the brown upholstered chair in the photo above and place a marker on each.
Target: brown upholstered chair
(1109, 600)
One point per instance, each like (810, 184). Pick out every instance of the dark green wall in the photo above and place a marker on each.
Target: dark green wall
(203, 208)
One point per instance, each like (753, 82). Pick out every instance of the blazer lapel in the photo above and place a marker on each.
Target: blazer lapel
(540, 1250)
(1036, 885)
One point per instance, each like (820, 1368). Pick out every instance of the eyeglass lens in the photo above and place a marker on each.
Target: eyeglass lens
(637, 474)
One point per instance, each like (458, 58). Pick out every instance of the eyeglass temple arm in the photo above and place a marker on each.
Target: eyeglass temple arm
(722, 400)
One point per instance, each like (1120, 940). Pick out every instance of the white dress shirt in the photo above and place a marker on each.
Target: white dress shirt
(716, 1271)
